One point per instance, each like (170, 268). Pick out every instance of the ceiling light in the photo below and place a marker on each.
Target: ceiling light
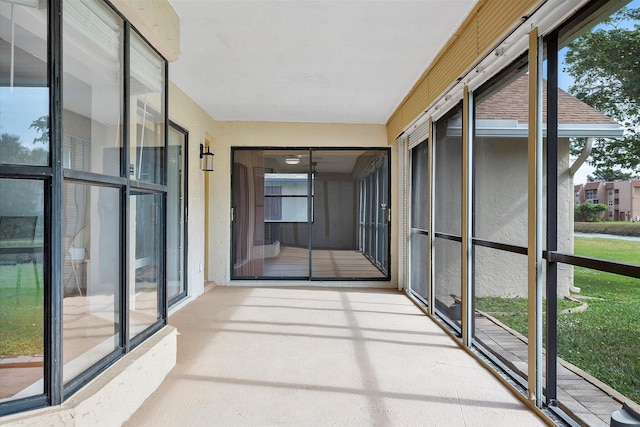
(292, 160)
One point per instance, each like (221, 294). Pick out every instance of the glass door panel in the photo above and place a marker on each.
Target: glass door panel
(349, 188)
(175, 215)
(271, 198)
(22, 332)
(448, 201)
(419, 239)
(145, 266)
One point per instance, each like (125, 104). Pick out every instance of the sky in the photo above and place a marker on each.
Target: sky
(19, 107)
(565, 81)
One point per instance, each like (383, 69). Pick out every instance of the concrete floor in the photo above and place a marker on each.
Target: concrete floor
(310, 357)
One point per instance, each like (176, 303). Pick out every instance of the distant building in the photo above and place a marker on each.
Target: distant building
(621, 197)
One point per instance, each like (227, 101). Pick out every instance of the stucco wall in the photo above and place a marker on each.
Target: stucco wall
(501, 215)
(113, 396)
(272, 134)
(186, 113)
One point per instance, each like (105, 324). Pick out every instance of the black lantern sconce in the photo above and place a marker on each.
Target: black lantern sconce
(206, 159)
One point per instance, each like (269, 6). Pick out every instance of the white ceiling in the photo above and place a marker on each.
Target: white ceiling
(332, 61)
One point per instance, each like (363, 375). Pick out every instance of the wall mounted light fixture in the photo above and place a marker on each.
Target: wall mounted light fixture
(206, 159)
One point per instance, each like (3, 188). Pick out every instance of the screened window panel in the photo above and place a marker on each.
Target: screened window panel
(447, 283)
(418, 240)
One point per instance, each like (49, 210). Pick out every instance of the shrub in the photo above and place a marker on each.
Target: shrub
(609, 227)
(589, 212)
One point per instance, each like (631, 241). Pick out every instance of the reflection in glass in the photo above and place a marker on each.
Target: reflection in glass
(24, 91)
(91, 276)
(146, 84)
(271, 202)
(92, 97)
(447, 284)
(21, 288)
(175, 214)
(145, 264)
(288, 201)
(285, 197)
(348, 185)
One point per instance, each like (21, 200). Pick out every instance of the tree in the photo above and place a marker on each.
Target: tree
(605, 68)
(589, 212)
(11, 150)
(17, 196)
(609, 175)
(41, 125)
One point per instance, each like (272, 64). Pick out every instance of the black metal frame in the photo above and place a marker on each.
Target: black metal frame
(53, 177)
(310, 277)
(185, 212)
(53, 319)
(552, 225)
(585, 15)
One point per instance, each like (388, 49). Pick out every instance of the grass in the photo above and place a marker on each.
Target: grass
(21, 313)
(513, 311)
(604, 340)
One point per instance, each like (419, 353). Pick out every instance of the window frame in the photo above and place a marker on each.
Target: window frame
(53, 175)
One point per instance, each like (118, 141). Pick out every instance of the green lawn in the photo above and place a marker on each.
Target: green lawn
(604, 340)
(21, 313)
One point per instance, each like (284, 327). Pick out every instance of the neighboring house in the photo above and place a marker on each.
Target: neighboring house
(621, 197)
(592, 192)
(501, 196)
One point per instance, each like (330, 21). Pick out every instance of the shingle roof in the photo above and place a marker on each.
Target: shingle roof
(510, 103)
(592, 185)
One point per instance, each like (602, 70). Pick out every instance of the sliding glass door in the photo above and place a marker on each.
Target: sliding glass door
(271, 198)
(310, 214)
(349, 185)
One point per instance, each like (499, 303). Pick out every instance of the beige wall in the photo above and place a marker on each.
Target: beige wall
(271, 134)
(186, 113)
